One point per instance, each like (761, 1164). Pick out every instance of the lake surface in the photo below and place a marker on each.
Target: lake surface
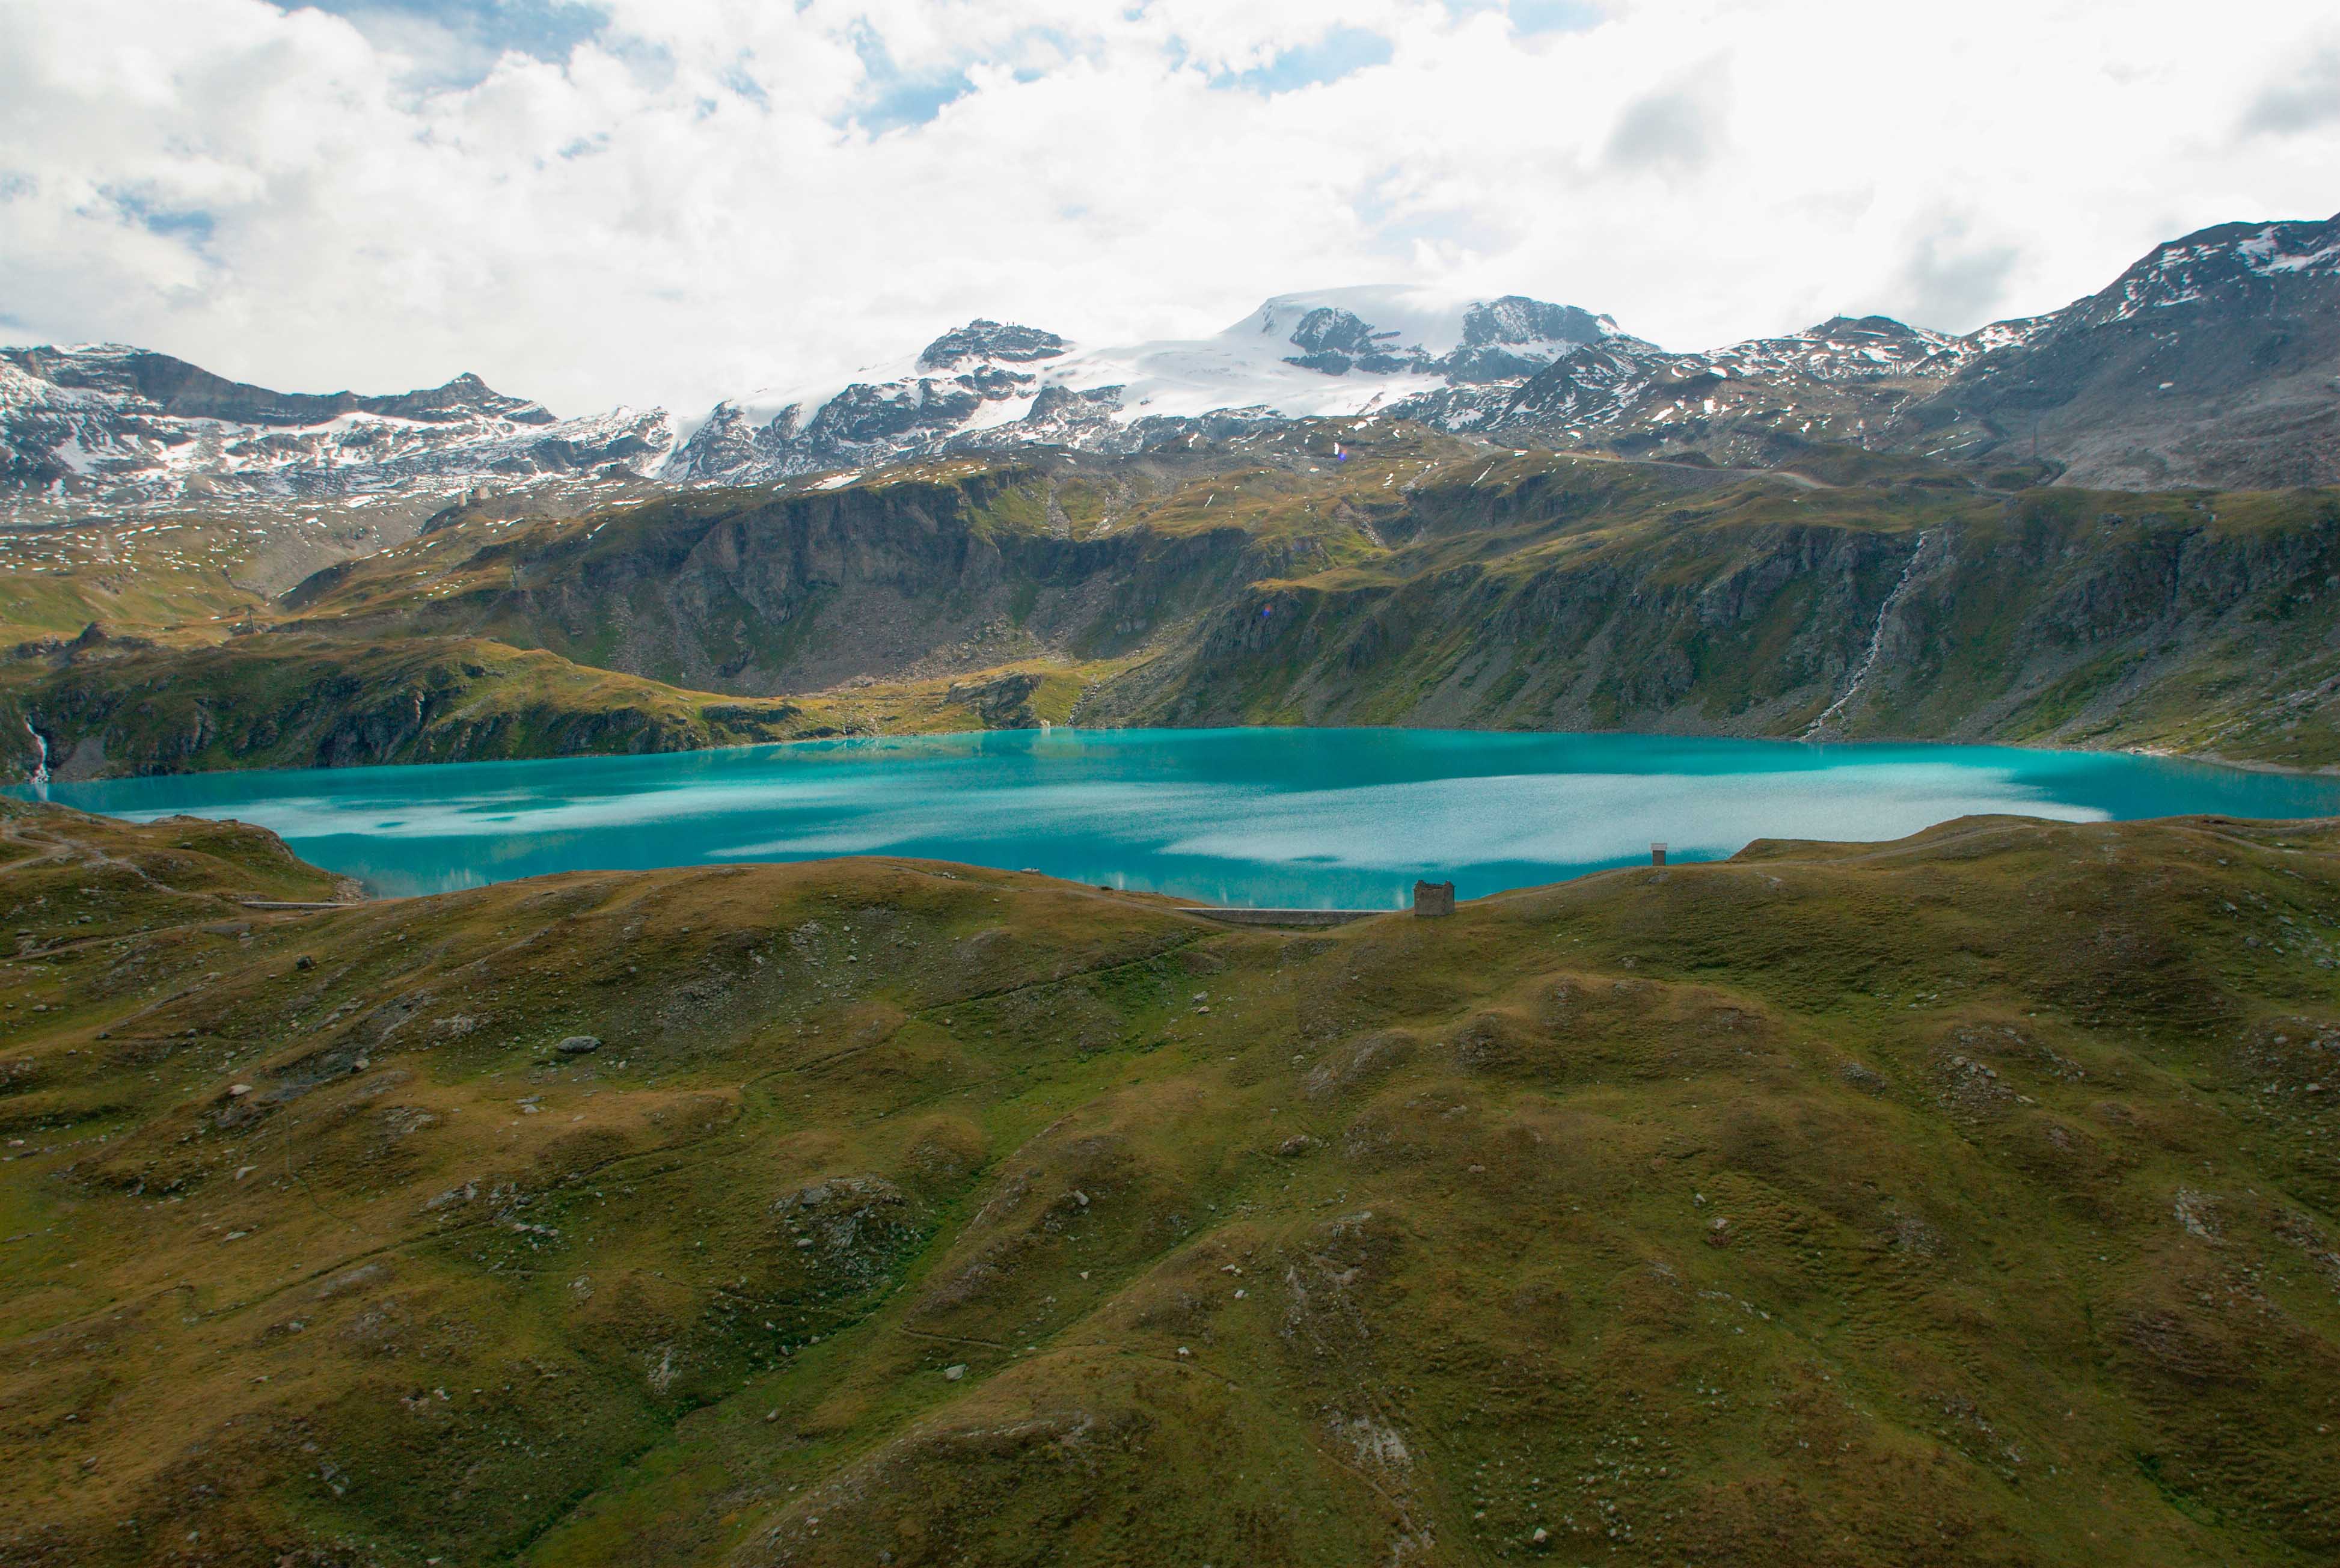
(1315, 818)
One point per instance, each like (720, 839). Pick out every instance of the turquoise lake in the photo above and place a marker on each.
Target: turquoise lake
(1312, 818)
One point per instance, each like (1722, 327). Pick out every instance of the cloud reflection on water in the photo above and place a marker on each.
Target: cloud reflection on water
(1314, 817)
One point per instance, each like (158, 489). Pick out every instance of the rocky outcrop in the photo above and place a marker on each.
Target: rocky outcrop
(1004, 703)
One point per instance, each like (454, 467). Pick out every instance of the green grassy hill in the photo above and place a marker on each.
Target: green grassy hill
(1972, 1199)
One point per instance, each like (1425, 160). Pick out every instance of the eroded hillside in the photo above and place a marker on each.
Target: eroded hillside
(1904, 608)
(1336, 572)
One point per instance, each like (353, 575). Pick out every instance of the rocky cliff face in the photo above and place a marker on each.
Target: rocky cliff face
(2189, 621)
(1867, 597)
(764, 593)
(1737, 628)
(2182, 621)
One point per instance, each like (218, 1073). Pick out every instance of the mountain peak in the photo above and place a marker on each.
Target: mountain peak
(1517, 318)
(983, 338)
(2221, 259)
(1869, 326)
(465, 397)
(1424, 320)
(1391, 329)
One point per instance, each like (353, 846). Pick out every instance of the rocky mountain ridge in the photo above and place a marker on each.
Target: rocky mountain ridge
(989, 385)
(2210, 362)
(1517, 369)
(2213, 361)
(111, 425)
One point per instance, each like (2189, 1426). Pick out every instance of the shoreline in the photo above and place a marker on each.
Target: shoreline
(2243, 764)
(16, 783)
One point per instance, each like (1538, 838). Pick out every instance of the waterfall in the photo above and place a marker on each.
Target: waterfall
(1876, 640)
(40, 760)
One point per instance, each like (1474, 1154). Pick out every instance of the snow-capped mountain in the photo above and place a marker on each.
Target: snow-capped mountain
(1518, 369)
(1831, 381)
(1510, 368)
(1843, 348)
(2230, 258)
(2210, 360)
(115, 425)
(1337, 352)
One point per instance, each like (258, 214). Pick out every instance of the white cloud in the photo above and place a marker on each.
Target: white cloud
(671, 200)
(2308, 97)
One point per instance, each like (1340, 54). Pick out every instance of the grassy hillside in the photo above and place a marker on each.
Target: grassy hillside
(52, 584)
(295, 701)
(1406, 579)
(191, 569)
(1973, 1199)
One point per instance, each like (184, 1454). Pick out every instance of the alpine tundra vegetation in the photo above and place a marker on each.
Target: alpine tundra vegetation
(1968, 1199)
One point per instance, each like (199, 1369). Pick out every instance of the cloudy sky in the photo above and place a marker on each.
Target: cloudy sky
(595, 202)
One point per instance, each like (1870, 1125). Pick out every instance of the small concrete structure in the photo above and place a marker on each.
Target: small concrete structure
(1236, 917)
(1431, 899)
(1657, 854)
